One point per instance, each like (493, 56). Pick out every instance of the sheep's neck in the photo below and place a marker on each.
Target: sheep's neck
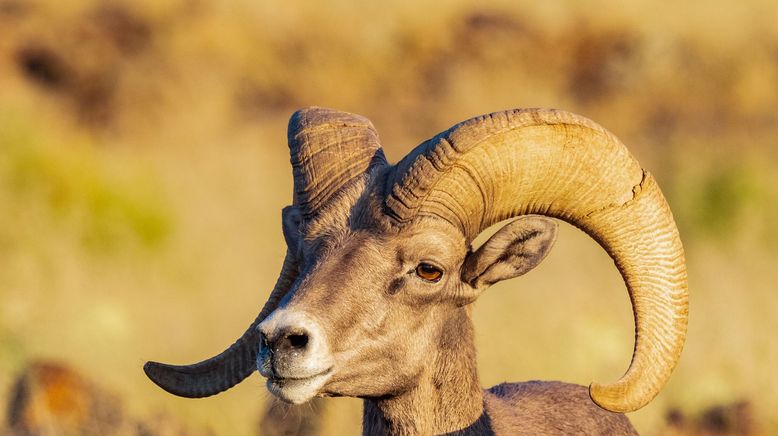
(447, 398)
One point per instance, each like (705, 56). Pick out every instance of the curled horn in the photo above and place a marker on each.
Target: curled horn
(234, 364)
(328, 150)
(558, 164)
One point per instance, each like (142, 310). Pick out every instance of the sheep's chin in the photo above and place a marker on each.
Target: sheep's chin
(297, 391)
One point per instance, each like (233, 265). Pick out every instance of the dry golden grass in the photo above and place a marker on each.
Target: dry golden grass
(143, 167)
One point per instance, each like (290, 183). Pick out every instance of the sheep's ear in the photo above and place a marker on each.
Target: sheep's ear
(290, 222)
(512, 251)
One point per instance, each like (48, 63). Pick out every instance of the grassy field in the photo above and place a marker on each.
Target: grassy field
(143, 167)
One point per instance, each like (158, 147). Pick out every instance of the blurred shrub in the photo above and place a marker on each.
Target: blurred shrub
(737, 418)
(81, 60)
(722, 197)
(52, 398)
(116, 63)
(728, 201)
(64, 177)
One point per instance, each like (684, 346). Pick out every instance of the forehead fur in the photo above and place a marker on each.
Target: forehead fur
(360, 206)
(431, 235)
(335, 216)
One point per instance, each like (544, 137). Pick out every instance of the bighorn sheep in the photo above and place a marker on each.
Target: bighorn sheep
(373, 300)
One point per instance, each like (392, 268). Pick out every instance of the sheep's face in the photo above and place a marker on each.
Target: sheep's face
(369, 308)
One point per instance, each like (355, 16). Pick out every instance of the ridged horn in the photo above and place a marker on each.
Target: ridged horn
(328, 149)
(558, 164)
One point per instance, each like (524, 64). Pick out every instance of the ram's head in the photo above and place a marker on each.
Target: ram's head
(379, 265)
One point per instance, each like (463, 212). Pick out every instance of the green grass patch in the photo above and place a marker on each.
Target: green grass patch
(71, 180)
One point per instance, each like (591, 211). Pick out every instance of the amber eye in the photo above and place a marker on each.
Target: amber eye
(429, 272)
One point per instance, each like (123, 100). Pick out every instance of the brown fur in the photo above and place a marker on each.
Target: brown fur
(543, 407)
(281, 419)
(406, 345)
(530, 408)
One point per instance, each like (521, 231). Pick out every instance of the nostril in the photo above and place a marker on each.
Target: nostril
(298, 340)
(295, 339)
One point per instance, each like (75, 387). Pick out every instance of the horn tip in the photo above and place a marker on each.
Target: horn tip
(166, 377)
(615, 398)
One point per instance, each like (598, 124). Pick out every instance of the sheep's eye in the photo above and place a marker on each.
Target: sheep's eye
(429, 272)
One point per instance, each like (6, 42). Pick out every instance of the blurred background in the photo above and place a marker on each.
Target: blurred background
(143, 167)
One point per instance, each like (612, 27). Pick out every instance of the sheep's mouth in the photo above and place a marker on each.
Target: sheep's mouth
(298, 390)
(281, 380)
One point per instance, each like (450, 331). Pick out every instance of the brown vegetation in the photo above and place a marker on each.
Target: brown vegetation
(83, 60)
(728, 419)
(51, 398)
